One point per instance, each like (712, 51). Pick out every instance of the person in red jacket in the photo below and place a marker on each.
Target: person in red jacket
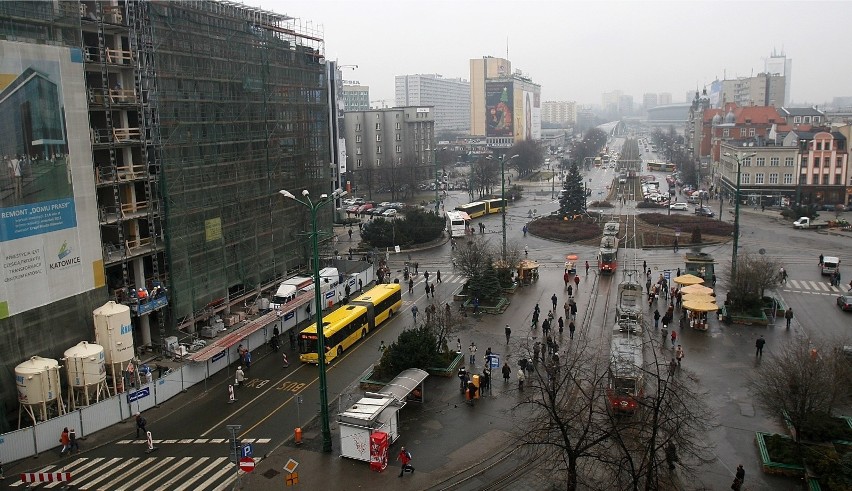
(405, 457)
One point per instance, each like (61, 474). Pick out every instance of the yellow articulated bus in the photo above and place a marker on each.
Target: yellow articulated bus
(346, 325)
(381, 302)
(342, 328)
(494, 205)
(484, 207)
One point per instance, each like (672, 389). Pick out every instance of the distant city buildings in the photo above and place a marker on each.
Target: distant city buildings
(450, 98)
(778, 64)
(505, 106)
(664, 98)
(356, 97)
(559, 112)
(649, 100)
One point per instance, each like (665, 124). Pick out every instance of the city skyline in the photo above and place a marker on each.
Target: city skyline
(705, 41)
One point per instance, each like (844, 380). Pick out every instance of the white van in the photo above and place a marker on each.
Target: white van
(289, 289)
(830, 265)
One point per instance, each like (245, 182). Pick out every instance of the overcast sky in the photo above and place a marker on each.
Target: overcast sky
(578, 50)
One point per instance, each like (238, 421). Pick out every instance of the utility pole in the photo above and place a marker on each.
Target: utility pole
(503, 198)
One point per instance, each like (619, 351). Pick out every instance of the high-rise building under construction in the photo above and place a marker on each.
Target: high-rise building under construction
(143, 145)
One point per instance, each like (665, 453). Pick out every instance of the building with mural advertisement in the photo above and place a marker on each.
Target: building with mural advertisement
(505, 105)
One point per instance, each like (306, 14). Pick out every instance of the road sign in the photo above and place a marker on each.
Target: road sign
(494, 360)
(246, 464)
(667, 274)
(139, 394)
(247, 451)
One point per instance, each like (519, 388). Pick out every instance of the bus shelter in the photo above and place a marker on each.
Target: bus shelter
(527, 272)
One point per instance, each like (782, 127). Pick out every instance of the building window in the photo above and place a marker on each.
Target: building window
(816, 119)
(378, 162)
(358, 163)
(378, 126)
(816, 161)
(751, 132)
(378, 149)
(378, 138)
(399, 149)
(838, 162)
(399, 137)
(774, 161)
(726, 133)
(773, 178)
(743, 132)
(357, 138)
(758, 178)
(746, 162)
(807, 119)
(797, 119)
(818, 145)
(358, 127)
(761, 161)
(788, 161)
(358, 151)
(746, 178)
(398, 126)
(788, 178)
(838, 179)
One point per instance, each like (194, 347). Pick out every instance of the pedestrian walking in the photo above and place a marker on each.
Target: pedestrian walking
(740, 473)
(72, 441)
(472, 350)
(248, 360)
(350, 234)
(462, 378)
(417, 267)
(789, 316)
(821, 260)
(426, 276)
(485, 381)
(577, 283)
(534, 320)
(573, 310)
(414, 311)
(674, 337)
(679, 354)
(437, 278)
(405, 457)
(656, 318)
(678, 273)
(554, 300)
(737, 485)
(567, 307)
(426, 285)
(570, 291)
(141, 424)
(432, 289)
(566, 278)
(664, 332)
(561, 326)
(458, 346)
(571, 328)
(65, 440)
(644, 266)
(508, 333)
(521, 377)
(239, 378)
(587, 268)
(525, 230)
(506, 372)
(759, 346)
(672, 367)
(545, 327)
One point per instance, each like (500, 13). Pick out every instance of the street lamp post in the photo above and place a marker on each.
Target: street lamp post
(503, 197)
(314, 206)
(437, 181)
(738, 158)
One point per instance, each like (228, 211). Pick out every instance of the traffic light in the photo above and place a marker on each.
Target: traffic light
(235, 446)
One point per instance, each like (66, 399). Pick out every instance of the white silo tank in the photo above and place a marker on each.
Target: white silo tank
(86, 365)
(114, 331)
(37, 381)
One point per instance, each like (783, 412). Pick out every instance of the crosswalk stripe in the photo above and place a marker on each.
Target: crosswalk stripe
(206, 483)
(78, 478)
(795, 284)
(180, 464)
(215, 463)
(148, 469)
(823, 286)
(218, 440)
(814, 285)
(113, 470)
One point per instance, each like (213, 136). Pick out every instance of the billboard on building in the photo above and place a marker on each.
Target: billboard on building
(715, 93)
(498, 109)
(49, 237)
(532, 116)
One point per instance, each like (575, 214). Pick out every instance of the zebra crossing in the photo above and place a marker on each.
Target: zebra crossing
(144, 473)
(194, 440)
(812, 287)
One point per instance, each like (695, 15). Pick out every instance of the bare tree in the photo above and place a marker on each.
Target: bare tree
(755, 275)
(800, 380)
(470, 258)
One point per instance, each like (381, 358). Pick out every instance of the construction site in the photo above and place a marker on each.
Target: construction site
(199, 112)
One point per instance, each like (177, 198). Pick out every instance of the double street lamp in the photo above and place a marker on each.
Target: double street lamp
(738, 158)
(503, 197)
(314, 206)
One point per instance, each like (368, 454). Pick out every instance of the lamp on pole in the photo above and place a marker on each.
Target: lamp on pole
(314, 206)
(738, 158)
(503, 198)
(437, 181)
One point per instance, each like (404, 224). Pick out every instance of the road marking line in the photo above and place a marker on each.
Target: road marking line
(823, 286)
(814, 284)
(148, 470)
(203, 460)
(110, 471)
(212, 479)
(795, 284)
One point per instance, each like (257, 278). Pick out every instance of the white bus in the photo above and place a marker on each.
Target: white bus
(457, 223)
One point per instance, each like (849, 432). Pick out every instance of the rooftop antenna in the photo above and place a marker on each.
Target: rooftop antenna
(507, 46)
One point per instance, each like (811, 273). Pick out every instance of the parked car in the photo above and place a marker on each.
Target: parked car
(353, 209)
(377, 211)
(358, 201)
(679, 206)
(365, 207)
(385, 203)
(704, 211)
(844, 302)
(389, 213)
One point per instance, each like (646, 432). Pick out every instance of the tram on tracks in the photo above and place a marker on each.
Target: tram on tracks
(626, 381)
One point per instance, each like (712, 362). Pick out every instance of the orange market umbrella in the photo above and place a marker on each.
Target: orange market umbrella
(688, 279)
(699, 297)
(701, 306)
(572, 257)
(704, 290)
